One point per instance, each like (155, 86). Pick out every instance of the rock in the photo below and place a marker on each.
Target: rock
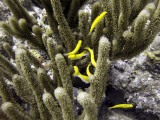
(139, 83)
(27, 4)
(4, 11)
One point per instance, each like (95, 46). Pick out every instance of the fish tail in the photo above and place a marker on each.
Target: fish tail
(87, 70)
(76, 73)
(92, 56)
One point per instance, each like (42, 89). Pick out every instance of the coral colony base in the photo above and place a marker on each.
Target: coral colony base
(62, 63)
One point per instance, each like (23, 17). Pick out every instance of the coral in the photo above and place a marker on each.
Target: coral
(39, 71)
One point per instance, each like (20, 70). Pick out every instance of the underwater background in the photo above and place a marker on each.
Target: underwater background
(79, 59)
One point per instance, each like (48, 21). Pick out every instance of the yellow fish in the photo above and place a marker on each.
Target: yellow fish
(97, 20)
(78, 56)
(84, 78)
(76, 48)
(122, 106)
(87, 70)
(92, 56)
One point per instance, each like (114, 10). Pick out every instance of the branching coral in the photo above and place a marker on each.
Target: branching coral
(126, 29)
